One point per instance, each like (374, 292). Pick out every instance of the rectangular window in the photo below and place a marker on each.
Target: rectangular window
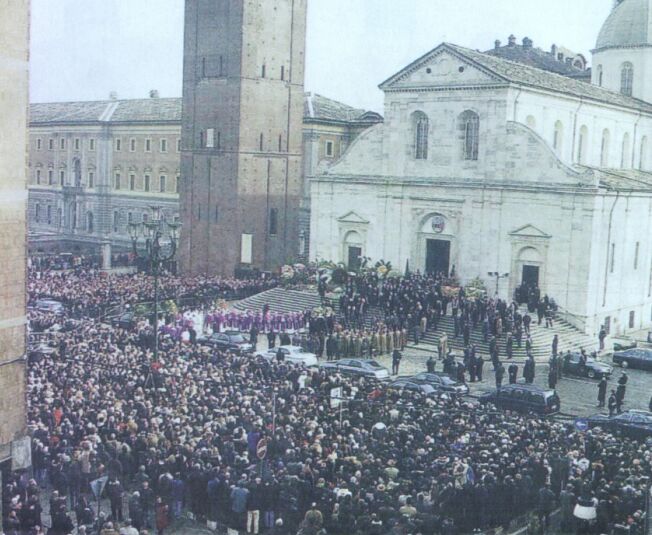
(49, 214)
(145, 218)
(132, 182)
(91, 144)
(273, 222)
(161, 184)
(62, 177)
(130, 218)
(632, 319)
(613, 258)
(38, 176)
(50, 144)
(246, 249)
(329, 148)
(199, 212)
(607, 325)
(263, 71)
(37, 213)
(116, 221)
(636, 255)
(146, 183)
(118, 144)
(91, 179)
(62, 143)
(177, 186)
(210, 138)
(217, 214)
(117, 180)
(282, 72)
(148, 145)
(219, 140)
(77, 143)
(132, 145)
(50, 178)
(178, 144)
(39, 143)
(280, 143)
(164, 145)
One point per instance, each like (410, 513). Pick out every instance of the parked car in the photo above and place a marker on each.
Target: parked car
(441, 381)
(127, 320)
(633, 423)
(621, 343)
(634, 358)
(523, 398)
(49, 305)
(227, 341)
(292, 354)
(593, 369)
(405, 386)
(358, 367)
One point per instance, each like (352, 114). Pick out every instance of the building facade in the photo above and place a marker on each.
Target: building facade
(14, 102)
(94, 167)
(241, 130)
(486, 166)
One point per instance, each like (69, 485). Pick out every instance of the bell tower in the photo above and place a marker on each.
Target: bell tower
(242, 118)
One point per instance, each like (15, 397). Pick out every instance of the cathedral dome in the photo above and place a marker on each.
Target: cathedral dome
(628, 25)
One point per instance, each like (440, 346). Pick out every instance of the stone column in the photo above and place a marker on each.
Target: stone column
(106, 255)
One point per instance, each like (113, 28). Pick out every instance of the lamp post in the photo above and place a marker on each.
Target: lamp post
(498, 276)
(155, 257)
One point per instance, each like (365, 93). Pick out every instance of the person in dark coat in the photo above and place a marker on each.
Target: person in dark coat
(271, 339)
(479, 364)
(620, 391)
(602, 392)
(430, 364)
(512, 371)
(396, 361)
(500, 373)
(545, 506)
(528, 370)
(552, 377)
(612, 403)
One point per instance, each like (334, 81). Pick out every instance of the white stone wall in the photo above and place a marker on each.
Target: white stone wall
(611, 62)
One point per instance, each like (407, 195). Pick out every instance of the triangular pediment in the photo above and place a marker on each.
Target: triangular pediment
(529, 231)
(352, 217)
(443, 66)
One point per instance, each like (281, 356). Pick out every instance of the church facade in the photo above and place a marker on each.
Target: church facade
(487, 167)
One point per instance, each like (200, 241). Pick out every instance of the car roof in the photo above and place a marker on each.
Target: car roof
(528, 387)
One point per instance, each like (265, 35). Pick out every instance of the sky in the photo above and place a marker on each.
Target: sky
(85, 49)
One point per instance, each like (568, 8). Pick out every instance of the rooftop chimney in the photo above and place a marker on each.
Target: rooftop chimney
(113, 95)
(153, 93)
(527, 42)
(497, 44)
(511, 41)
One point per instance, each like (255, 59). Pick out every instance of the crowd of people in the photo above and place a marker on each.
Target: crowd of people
(181, 436)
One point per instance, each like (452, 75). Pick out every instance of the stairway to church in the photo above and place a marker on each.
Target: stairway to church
(282, 300)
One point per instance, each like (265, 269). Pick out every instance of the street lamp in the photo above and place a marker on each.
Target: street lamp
(498, 277)
(155, 257)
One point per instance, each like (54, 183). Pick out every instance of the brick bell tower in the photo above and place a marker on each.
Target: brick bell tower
(241, 169)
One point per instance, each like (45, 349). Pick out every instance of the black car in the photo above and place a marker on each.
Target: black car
(227, 341)
(591, 368)
(634, 358)
(357, 367)
(407, 387)
(124, 321)
(523, 398)
(633, 423)
(440, 381)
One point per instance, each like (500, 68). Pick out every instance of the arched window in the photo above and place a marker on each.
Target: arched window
(469, 127)
(37, 213)
(582, 145)
(626, 157)
(627, 78)
(89, 222)
(421, 126)
(604, 148)
(598, 75)
(531, 122)
(642, 159)
(558, 137)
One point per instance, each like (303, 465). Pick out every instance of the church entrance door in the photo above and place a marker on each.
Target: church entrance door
(530, 276)
(355, 258)
(438, 254)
